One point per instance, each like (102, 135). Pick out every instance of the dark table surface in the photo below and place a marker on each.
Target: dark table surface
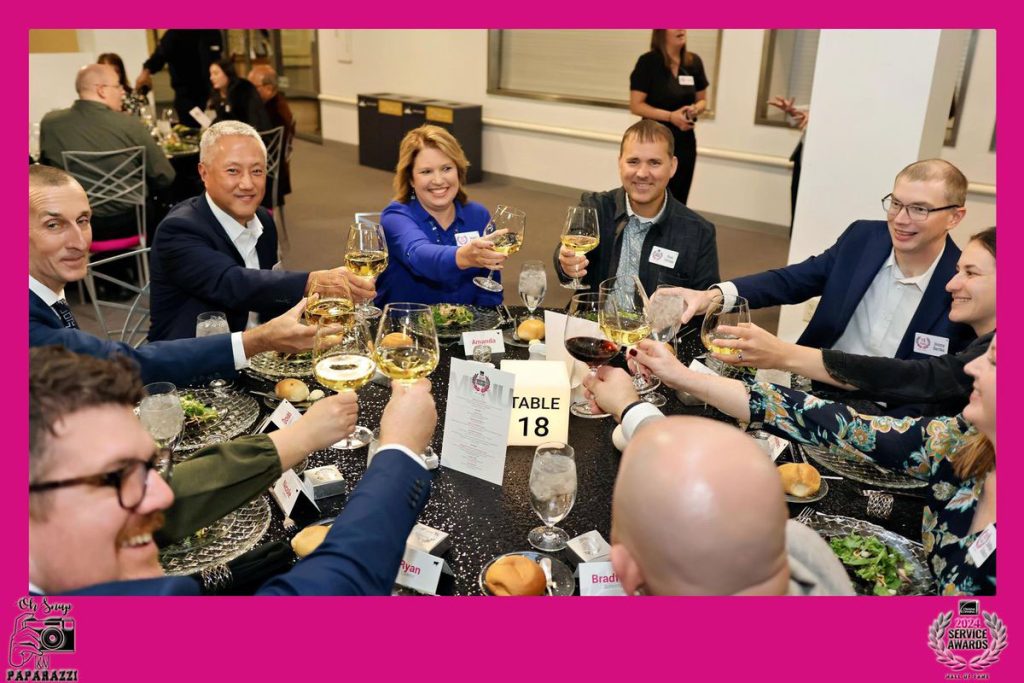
(486, 520)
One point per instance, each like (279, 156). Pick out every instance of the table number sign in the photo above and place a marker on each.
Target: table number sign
(599, 578)
(540, 403)
(476, 420)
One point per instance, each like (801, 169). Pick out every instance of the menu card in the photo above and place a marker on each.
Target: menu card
(476, 420)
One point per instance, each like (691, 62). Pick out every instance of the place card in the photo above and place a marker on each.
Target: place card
(540, 403)
(419, 571)
(590, 547)
(476, 420)
(429, 540)
(782, 378)
(599, 578)
(493, 338)
(697, 366)
(294, 497)
(284, 414)
(325, 481)
(201, 118)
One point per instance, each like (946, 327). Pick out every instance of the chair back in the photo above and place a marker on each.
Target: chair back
(371, 217)
(127, 318)
(116, 178)
(274, 140)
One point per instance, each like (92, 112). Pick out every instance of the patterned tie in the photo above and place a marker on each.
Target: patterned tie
(65, 314)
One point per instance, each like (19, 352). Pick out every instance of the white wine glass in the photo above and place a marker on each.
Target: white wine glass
(331, 297)
(581, 234)
(161, 414)
(367, 256)
(623, 301)
(533, 285)
(552, 493)
(343, 361)
(406, 347)
(585, 342)
(664, 314)
(513, 221)
(722, 310)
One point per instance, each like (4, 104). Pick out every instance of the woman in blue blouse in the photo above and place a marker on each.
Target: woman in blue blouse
(955, 455)
(431, 228)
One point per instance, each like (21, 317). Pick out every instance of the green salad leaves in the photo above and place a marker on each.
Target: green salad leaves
(873, 561)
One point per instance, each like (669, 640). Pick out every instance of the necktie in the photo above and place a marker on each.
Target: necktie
(65, 314)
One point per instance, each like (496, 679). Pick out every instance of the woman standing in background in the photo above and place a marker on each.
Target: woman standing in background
(668, 85)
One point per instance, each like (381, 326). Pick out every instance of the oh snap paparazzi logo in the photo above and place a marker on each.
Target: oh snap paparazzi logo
(42, 630)
(969, 642)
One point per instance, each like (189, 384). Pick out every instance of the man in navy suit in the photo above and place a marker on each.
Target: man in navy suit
(217, 251)
(882, 284)
(59, 235)
(96, 498)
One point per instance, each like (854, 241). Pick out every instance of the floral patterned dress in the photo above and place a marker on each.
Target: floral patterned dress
(919, 447)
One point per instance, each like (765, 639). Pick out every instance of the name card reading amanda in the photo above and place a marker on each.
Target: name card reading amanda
(540, 405)
(493, 338)
(476, 420)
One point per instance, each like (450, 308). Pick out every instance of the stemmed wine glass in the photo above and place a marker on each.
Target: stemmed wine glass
(722, 311)
(664, 313)
(330, 298)
(161, 414)
(367, 257)
(407, 348)
(533, 285)
(581, 234)
(623, 319)
(343, 361)
(552, 493)
(513, 221)
(584, 342)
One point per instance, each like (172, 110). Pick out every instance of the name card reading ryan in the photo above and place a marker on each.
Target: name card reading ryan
(476, 420)
(493, 338)
(540, 404)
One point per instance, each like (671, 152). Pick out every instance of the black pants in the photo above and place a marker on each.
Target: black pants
(686, 153)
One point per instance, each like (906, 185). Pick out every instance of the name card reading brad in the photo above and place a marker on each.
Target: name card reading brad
(599, 578)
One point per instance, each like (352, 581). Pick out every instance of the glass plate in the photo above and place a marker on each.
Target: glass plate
(561, 575)
(238, 414)
(861, 470)
(274, 365)
(483, 319)
(822, 492)
(222, 541)
(831, 526)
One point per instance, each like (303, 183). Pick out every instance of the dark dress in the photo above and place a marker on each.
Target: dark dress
(242, 103)
(666, 90)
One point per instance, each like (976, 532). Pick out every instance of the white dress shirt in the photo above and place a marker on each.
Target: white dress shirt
(244, 237)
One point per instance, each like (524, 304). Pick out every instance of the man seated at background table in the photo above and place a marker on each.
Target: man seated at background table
(644, 230)
(882, 283)
(217, 251)
(95, 501)
(264, 78)
(59, 235)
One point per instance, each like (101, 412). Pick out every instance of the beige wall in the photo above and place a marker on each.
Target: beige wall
(45, 40)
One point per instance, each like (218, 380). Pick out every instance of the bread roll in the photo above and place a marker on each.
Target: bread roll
(515, 575)
(799, 479)
(291, 389)
(307, 540)
(530, 329)
(396, 340)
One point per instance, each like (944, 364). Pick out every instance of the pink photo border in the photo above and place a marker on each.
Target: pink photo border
(835, 639)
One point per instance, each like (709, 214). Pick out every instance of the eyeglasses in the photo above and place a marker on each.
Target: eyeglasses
(916, 213)
(130, 481)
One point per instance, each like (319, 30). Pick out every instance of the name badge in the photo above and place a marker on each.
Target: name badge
(598, 578)
(493, 338)
(984, 545)
(686, 80)
(660, 256)
(464, 238)
(931, 345)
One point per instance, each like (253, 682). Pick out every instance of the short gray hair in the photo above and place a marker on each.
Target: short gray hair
(223, 129)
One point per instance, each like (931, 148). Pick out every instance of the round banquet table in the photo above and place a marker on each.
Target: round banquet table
(485, 520)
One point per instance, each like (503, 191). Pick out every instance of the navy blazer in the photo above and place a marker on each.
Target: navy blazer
(195, 268)
(182, 361)
(362, 551)
(841, 276)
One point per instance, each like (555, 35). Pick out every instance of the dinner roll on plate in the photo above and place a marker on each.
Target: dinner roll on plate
(292, 389)
(531, 329)
(515, 575)
(307, 540)
(800, 479)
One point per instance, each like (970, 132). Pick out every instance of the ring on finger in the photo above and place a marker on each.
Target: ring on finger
(739, 356)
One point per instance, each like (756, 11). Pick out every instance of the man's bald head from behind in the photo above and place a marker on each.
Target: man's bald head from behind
(698, 509)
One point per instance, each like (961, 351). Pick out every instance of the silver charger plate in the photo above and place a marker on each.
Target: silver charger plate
(822, 492)
(238, 414)
(222, 541)
(561, 575)
(275, 366)
(483, 319)
(832, 526)
(861, 470)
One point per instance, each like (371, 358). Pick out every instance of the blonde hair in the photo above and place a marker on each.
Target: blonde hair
(938, 169)
(976, 459)
(419, 139)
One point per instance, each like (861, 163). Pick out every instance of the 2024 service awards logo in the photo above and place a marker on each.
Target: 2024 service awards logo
(968, 643)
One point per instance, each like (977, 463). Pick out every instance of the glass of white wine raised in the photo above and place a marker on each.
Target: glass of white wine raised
(367, 256)
(581, 234)
(406, 347)
(343, 361)
(722, 310)
(623, 318)
(513, 221)
(329, 297)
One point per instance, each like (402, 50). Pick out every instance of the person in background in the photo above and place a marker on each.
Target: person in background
(799, 119)
(187, 54)
(264, 79)
(699, 510)
(132, 102)
(668, 84)
(235, 99)
(432, 228)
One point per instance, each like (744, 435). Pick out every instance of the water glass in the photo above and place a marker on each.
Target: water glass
(210, 323)
(161, 414)
(552, 493)
(533, 285)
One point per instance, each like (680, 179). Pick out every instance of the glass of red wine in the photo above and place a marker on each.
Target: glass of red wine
(585, 342)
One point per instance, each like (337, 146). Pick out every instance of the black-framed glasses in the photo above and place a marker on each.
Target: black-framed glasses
(130, 481)
(916, 213)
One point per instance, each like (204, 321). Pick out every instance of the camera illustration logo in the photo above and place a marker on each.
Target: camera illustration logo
(40, 630)
(969, 642)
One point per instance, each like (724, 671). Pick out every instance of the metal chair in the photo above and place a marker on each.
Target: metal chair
(274, 140)
(135, 324)
(114, 179)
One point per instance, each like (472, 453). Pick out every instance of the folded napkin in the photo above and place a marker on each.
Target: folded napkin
(244, 574)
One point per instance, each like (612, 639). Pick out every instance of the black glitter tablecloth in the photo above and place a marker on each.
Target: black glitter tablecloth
(486, 520)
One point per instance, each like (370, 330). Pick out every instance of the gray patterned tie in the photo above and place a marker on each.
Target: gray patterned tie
(65, 314)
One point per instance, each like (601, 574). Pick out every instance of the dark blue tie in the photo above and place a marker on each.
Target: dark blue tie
(65, 314)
